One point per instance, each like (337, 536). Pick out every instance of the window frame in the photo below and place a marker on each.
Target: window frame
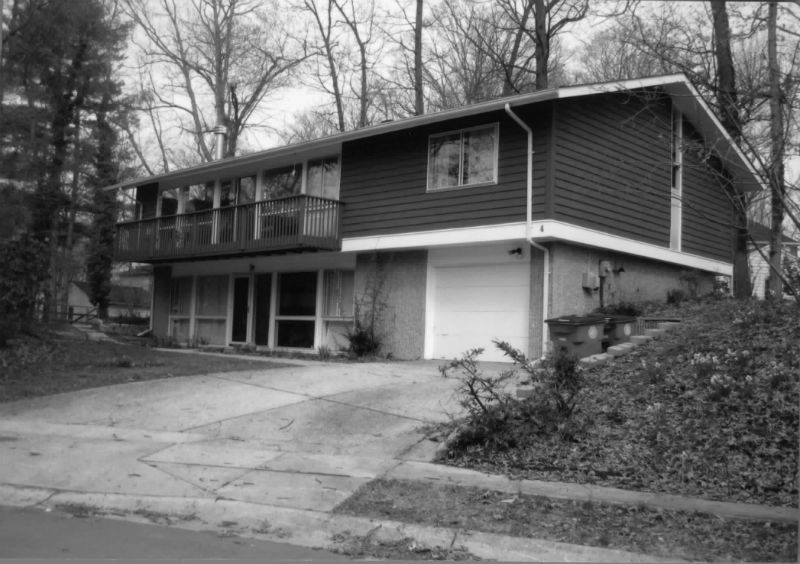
(335, 288)
(303, 318)
(676, 180)
(494, 127)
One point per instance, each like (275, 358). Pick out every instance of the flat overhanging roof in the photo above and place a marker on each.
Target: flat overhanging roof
(677, 86)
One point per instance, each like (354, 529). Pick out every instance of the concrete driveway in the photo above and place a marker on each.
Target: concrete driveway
(301, 438)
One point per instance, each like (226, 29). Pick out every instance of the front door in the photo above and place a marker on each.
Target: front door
(263, 288)
(241, 296)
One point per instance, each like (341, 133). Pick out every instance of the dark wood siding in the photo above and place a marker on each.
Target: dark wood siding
(707, 211)
(384, 182)
(612, 165)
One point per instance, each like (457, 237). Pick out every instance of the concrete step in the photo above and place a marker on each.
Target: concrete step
(640, 339)
(620, 349)
(654, 333)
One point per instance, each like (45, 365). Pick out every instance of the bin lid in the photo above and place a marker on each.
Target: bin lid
(619, 319)
(576, 320)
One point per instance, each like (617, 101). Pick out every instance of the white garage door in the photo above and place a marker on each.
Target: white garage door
(476, 304)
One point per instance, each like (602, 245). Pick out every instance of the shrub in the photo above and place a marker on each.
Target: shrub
(489, 407)
(675, 296)
(22, 277)
(362, 339)
(557, 383)
(324, 352)
(495, 419)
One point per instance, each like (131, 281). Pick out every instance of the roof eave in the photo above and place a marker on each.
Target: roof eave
(676, 85)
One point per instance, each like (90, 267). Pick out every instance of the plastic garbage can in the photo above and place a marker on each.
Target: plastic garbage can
(580, 335)
(618, 329)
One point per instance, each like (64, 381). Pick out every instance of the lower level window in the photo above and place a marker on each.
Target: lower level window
(211, 310)
(295, 333)
(297, 308)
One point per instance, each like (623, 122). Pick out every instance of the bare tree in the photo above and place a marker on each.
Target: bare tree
(459, 70)
(777, 148)
(347, 50)
(219, 59)
(362, 27)
(329, 79)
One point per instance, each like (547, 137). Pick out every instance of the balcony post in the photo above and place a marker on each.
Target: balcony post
(215, 211)
(257, 208)
(301, 220)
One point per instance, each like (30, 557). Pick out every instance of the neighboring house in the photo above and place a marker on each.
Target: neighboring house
(140, 276)
(123, 300)
(759, 267)
(453, 228)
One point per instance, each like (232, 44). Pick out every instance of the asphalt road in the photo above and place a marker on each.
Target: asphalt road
(34, 533)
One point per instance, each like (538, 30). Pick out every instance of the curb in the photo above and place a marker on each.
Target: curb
(310, 529)
(425, 471)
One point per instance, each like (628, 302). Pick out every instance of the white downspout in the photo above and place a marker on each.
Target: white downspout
(529, 227)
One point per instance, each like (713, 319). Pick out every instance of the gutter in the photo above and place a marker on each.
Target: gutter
(529, 226)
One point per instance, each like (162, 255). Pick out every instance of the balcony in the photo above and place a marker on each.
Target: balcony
(287, 224)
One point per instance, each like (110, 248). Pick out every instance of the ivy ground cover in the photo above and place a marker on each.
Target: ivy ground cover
(709, 410)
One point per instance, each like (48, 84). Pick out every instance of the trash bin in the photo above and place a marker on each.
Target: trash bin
(580, 335)
(618, 329)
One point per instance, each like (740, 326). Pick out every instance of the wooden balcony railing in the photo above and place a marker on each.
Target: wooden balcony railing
(292, 223)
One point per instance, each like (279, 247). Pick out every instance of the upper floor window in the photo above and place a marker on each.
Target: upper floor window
(199, 197)
(282, 182)
(323, 178)
(463, 158)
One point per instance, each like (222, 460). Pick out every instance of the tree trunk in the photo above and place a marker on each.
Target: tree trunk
(419, 101)
(542, 44)
(776, 174)
(728, 100)
(71, 213)
(726, 75)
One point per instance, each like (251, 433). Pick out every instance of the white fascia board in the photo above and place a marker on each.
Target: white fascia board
(551, 230)
(543, 231)
(436, 238)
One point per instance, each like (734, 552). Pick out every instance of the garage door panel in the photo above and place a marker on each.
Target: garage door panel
(454, 348)
(475, 304)
(487, 276)
(490, 300)
(490, 323)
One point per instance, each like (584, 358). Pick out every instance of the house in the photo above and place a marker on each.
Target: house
(447, 229)
(123, 301)
(758, 249)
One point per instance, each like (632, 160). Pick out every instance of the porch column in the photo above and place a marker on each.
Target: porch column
(215, 212)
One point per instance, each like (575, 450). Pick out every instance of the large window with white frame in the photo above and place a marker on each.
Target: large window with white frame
(322, 178)
(338, 287)
(463, 158)
(211, 310)
(295, 319)
(282, 182)
(180, 308)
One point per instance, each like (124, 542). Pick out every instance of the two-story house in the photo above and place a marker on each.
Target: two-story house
(454, 228)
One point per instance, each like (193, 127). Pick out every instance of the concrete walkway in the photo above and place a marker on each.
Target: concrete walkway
(264, 453)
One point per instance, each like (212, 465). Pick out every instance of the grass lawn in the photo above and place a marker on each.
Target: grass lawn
(65, 361)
